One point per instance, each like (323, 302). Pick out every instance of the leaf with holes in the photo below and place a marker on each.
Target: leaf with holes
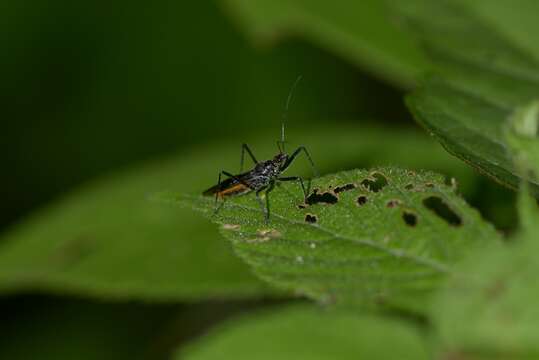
(387, 234)
(482, 78)
(107, 240)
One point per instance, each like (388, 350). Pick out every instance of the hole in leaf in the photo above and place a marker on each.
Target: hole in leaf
(409, 187)
(345, 187)
(326, 198)
(311, 218)
(361, 200)
(375, 182)
(409, 218)
(441, 209)
(392, 203)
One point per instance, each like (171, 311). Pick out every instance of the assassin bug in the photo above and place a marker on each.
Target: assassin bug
(265, 174)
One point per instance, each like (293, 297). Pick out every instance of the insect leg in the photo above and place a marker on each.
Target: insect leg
(265, 208)
(293, 157)
(237, 179)
(300, 180)
(226, 173)
(244, 148)
(217, 193)
(261, 203)
(218, 207)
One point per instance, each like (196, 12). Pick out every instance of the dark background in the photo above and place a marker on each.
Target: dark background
(92, 87)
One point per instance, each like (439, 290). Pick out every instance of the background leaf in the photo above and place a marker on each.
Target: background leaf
(482, 78)
(358, 31)
(521, 134)
(306, 332)
(515, 19)
(386, 234)
(107, 240)
(488, 308)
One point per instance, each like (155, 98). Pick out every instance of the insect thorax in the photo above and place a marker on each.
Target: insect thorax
(263, 173)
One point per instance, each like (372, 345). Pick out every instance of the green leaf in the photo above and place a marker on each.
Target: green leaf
(515, 19)
(481, 79)
(521, 134)
(107, 240)
(386, 234)
(358, 31)
(306, 332)
(488, 309)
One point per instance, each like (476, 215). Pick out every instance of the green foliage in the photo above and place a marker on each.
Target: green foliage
(488, 310)
(482, 77)
(306, 332)
(409, 263)
(515, 19)
(386, 234)
(488, 306)
(108, 240)
(361, 32)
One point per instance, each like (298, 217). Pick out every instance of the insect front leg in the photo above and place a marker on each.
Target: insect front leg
(293, 157)
(244, 148)
(302, 184)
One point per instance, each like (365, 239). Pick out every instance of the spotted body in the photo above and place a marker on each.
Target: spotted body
(260, 177)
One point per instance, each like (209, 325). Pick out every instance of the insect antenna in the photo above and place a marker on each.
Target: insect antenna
(281, 143)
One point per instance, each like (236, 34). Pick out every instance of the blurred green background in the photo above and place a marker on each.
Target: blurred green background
(91, 88)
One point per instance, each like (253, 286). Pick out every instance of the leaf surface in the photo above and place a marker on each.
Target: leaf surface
(108, 240)
(488, 308)
(306, 332)
(386, 234)
(361, 32)
(481, 78)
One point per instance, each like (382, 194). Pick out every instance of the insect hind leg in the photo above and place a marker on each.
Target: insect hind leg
(265, 207)
(245, 148)
(226, 173)
(218, 207)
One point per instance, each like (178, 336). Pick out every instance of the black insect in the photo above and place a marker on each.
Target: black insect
(265, 174)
